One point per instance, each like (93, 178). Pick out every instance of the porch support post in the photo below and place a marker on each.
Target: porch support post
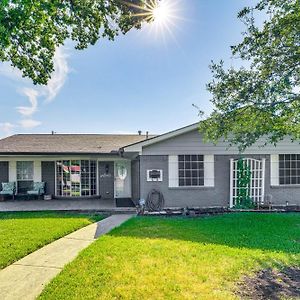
(12, 171)
(37, 171)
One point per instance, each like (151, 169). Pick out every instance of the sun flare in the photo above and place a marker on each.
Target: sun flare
(162, 12)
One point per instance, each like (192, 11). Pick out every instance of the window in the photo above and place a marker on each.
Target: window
(24, 176)
(191, 170)
(289, 169)
(75, 178)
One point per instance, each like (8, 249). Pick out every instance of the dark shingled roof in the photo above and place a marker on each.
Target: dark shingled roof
(67, 143)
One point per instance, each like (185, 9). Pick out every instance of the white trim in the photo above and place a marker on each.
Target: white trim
(173, 170)
(263, 179)
(137, 147)
(274, 169)
(59, 157)
(231, 183)
(209, 170)
(97, 178)
(80, 187)
(55, 179)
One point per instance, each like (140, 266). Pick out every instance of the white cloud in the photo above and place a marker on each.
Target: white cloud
(29, 123)
(6, 128)
(32, 95)
(35, 93)
(58, 77)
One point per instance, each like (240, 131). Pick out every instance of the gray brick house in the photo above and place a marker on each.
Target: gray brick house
(125, 168)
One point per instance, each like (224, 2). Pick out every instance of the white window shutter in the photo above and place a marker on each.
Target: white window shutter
(274, 168)
(173, 171)
(209, 170)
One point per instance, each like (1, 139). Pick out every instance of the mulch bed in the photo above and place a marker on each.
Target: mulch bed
(272, 284)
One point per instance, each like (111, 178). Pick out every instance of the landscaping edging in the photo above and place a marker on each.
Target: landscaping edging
(197, 211)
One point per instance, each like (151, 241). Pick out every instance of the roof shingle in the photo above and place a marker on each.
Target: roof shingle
(67, 143)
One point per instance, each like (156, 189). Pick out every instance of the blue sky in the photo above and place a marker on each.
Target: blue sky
(140, 81)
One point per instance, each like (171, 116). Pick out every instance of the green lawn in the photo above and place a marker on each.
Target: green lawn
(23, 232)
(179, 258)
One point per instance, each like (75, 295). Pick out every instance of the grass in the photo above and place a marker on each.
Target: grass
(24, 232)
(179, 258)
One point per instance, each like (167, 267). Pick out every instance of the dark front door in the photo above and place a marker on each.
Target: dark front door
(106, 179)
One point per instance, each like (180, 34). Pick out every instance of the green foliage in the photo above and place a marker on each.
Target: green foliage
(178, 258)
(262, 99)
(243, 185)
(31, 30)
(24, 232)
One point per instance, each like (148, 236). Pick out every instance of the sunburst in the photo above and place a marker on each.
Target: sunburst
(159, 13)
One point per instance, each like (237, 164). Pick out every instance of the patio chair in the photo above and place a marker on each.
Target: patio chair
(37, 190)
(8, 189)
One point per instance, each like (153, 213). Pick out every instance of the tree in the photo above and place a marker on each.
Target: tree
(31, 30)
(262, 99)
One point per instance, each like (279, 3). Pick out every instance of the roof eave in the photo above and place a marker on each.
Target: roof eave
(56, 153)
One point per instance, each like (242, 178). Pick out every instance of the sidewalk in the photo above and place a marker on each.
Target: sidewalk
(26, 278)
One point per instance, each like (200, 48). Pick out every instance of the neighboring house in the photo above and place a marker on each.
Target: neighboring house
(121, 168)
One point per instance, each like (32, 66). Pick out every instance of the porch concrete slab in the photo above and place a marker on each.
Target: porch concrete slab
(26, 278)
(63, 205)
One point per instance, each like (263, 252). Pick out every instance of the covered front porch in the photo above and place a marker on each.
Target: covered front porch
(82, 182)
(97, 205)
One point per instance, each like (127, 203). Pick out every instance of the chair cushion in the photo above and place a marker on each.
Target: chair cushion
(32, 192)
(38, 187)
(6, 193)
(8, 187)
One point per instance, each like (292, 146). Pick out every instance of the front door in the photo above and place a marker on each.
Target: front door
(106, 179)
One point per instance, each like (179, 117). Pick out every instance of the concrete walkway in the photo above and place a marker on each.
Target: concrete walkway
(26, 278)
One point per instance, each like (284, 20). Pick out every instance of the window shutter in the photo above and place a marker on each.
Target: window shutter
(173, 171)
(209, 170)
(274, 167)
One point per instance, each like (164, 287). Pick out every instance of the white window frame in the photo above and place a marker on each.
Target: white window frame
(18, 179)
(21, 163)
(296, 161)
(209, 171)
(190, 169)
(80, 189)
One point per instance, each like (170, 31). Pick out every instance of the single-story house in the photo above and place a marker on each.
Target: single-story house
(126, 168)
